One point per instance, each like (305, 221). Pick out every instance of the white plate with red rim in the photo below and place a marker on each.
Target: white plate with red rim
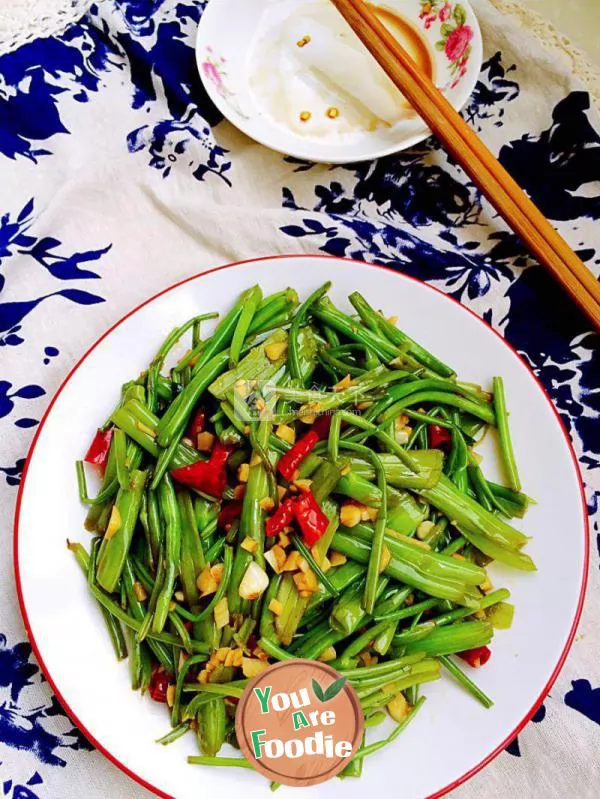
(255, 72)
(66, 629)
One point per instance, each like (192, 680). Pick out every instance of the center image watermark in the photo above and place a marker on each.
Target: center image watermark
(255, 400)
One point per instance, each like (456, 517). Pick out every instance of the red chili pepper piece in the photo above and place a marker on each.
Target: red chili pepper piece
(209, 476)
(476, 657)
(291, 460)
(99, 448)
(229, 513)
(313, 522)
(159, 683)
(439, 437)
(321, 425)
(220, 455)
(283, 516)
(196, 425)
(203, 477)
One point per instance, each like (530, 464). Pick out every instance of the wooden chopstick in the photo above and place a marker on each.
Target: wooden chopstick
(511, 202)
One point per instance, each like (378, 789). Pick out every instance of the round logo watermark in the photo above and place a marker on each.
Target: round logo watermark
(299, 722)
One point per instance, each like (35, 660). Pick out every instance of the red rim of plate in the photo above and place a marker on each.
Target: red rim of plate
(19, 586)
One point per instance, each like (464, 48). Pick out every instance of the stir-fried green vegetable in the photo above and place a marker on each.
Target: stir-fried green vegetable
(303, 482)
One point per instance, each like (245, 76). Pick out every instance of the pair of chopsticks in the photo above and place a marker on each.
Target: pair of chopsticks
(511, 202)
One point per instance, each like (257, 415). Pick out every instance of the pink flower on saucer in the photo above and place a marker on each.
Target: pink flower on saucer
(445, 12)
(458, 41)
(212, 73)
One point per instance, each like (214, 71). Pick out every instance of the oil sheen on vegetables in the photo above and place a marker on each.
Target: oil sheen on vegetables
(311, 74)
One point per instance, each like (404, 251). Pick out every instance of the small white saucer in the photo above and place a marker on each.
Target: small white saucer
(231, 32)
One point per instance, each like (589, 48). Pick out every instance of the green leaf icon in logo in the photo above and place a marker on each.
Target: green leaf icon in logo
(329, 693)
(334, 689)
(318, 691)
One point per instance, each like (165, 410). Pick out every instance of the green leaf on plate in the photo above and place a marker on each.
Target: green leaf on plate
(460, 15)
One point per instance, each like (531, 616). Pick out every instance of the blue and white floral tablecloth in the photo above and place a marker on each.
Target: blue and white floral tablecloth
(118, 178)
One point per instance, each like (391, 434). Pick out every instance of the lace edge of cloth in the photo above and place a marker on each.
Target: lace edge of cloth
(546, 33)
(48, 22)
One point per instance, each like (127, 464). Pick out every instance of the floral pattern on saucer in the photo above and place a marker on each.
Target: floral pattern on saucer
(455, 34)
